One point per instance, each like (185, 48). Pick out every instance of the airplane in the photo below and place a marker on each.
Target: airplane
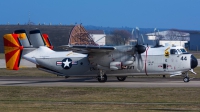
(98, 61)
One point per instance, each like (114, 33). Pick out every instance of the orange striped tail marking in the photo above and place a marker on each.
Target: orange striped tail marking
(47, 41)
(13, 51)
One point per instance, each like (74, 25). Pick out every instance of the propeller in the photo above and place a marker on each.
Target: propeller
(139, 48)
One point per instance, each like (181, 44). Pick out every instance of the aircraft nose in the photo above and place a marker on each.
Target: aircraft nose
(194, 62)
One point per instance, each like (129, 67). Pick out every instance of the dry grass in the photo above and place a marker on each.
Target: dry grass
(98, 99)
(62, 99)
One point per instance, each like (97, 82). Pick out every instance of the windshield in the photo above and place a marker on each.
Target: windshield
(173, 51)
(179, 51)
(183, 50)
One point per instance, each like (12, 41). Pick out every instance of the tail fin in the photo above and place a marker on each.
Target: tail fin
(23, 38)
(17, 42)
(47, 41)
(37, 39)
(13, 51)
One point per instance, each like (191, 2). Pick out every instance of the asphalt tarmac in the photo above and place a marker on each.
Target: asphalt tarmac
(23, 64)
(130, 82)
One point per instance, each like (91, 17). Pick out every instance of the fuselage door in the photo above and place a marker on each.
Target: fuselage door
(164, 66)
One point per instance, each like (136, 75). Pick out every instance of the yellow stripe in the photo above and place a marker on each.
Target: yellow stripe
(46, 43)
(10, 38)
(10, 64)
(9, 49)
(22, 36)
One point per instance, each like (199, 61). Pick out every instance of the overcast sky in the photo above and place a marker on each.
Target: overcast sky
(180, 14)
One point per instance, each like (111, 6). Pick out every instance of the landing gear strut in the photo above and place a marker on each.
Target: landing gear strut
(121, 78)
(102, 77)
(186, 78)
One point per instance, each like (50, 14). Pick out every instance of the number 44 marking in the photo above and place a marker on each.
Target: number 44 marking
(183, 58)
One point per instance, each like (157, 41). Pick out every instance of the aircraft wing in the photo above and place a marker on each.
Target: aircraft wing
(88, 48)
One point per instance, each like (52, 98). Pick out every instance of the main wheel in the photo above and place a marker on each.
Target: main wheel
(186, 79)
(121, 78)
(66, 77)
(103, 79)
(163, 76)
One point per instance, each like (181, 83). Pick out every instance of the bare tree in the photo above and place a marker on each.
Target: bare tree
(121, 36)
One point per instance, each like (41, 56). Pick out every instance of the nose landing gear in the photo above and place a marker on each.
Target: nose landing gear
(186, 79)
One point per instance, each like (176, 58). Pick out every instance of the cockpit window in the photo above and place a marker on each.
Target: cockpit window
(173, 51)
(183, 50)
(179, 51)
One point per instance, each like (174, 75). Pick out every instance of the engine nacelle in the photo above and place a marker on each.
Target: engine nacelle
(115, 65)
(126, 63)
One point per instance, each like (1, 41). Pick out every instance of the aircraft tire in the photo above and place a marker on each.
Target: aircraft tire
(186, 79)
(66, 77)
(121, 78)
(104, 79)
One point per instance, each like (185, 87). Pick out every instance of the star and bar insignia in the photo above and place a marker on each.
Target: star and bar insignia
(66, 63)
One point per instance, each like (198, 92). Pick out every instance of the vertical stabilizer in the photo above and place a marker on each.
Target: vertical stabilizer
(13, 50)
(36, 38)
(23, 38)
(47, 41)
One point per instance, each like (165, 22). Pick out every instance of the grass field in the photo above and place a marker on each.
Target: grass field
(68, 99)
(63, 99)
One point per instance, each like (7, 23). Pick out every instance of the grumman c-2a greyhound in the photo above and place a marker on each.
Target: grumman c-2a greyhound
(99, 61)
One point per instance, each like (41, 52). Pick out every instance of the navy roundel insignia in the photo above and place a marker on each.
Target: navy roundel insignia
(67, 63)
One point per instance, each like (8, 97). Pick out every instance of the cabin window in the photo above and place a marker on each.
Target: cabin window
(173, 51)
(183, 50)
(179, 51)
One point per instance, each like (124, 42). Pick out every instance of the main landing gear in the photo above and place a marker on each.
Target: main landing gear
(102, 77)
(121, 78)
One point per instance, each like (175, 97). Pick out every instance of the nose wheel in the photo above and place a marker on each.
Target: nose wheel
(186, 79)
